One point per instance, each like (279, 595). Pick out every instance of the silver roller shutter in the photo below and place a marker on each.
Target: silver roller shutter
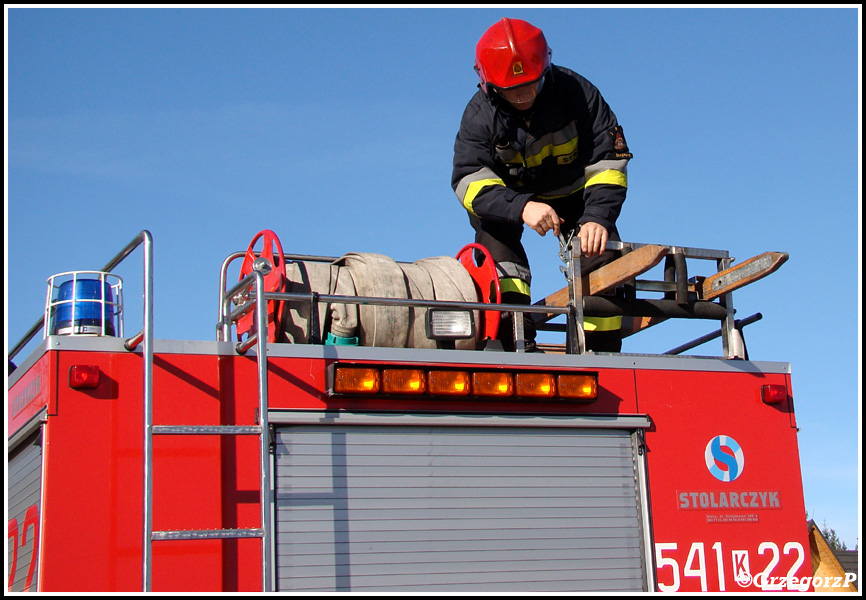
(25, 500)
(409, 508)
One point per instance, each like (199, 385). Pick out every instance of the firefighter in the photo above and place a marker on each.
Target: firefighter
(538, 145)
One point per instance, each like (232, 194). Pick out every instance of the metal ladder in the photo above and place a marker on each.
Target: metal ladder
(261, 430)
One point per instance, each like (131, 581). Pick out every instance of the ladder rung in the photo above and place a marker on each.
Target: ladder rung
(207, 429)
(207, 534)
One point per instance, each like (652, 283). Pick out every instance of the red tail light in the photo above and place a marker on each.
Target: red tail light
(774, 394)
(83, 377)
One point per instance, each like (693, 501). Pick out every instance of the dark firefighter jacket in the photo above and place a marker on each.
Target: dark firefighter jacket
(568, 144)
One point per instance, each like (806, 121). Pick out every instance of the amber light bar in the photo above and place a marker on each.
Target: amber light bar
(355, 379)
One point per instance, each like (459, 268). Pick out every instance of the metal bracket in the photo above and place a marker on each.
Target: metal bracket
(569, 253)
(732, 345)
(564, 243)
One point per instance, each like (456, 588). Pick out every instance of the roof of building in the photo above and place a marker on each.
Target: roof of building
(847, 559)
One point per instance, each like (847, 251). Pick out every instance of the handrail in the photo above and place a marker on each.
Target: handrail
(145, 336)
(27, 337)
(738, 324)
(224, 327)
(409, 303)
(262, 373)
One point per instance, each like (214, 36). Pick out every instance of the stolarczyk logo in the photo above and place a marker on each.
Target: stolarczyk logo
(726, 451)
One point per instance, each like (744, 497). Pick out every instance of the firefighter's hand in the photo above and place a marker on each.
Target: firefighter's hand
(541, 217)
(593, 239)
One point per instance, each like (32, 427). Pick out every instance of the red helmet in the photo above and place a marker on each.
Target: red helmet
(511, 53)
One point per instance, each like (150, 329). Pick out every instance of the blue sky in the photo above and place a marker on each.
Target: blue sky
(335, 128)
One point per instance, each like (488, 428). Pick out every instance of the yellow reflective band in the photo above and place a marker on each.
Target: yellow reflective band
(602, 323)
(512, 284)
(557, 150)
(610, 176)
(474, 188)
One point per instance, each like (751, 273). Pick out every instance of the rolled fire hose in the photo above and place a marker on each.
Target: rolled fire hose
(420, 286)
(376, 275)
(305, 277)
(379, 276)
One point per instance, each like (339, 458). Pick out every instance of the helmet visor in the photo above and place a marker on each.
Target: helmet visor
(524, 93)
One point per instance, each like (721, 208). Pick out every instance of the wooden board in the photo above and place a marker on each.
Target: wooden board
(742, 274)
(629, 266)
(716, 285)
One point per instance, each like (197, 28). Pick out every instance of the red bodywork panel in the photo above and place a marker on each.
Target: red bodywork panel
(92, 500)
(746, 531)
(93, 476)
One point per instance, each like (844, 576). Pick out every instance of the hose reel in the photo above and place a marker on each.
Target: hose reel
(436, 278)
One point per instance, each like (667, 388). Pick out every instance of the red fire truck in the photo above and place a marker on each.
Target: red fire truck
(415, 457)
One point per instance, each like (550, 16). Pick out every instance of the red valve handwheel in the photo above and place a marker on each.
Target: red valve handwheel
(275, 281)
(486, 283)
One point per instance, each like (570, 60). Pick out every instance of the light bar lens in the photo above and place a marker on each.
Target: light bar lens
(404, 381)
(356, 380)
(449, 383)
(535, 385)
(577, 387)
(492, 384)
